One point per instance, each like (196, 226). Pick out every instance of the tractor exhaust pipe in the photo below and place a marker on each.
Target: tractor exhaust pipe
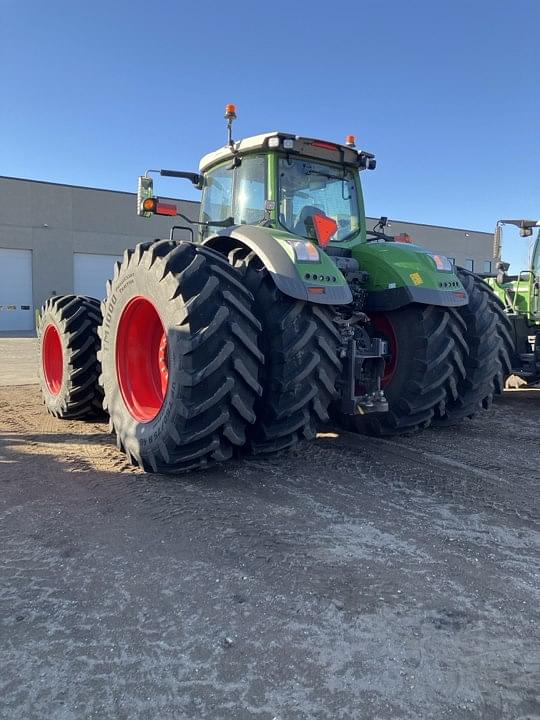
(497, 242)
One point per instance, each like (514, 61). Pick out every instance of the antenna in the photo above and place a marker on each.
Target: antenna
(230, 116)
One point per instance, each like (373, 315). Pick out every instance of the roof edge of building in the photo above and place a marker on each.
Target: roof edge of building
(85, 187)
(431, 225)
(196, 202)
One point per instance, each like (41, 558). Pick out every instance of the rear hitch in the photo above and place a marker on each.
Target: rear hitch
(363, 360)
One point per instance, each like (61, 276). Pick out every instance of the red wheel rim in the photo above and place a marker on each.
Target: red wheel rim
(141, 359)
(384, 329)
(52, 357)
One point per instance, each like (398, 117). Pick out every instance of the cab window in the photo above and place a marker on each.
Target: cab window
(249, 190)
(238, 193)
(217, 194)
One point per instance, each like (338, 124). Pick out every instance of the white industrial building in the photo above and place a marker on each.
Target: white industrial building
(57, 239)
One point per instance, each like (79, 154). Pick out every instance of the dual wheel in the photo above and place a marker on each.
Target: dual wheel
(444, 364)
(192, 358)
(195, 355)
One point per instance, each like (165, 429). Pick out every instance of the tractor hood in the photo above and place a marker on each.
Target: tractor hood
(400, 274)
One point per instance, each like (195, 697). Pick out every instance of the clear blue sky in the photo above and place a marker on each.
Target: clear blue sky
(445, 92)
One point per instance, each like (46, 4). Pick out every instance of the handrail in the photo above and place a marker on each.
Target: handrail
(516, 291)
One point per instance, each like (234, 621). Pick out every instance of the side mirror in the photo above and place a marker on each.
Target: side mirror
(145, 189)
(525, 231)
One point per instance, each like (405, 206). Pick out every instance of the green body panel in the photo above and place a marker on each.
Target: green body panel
(519, 296)
(403, 265)
(272, 186)
(515, 294)
(394, 266)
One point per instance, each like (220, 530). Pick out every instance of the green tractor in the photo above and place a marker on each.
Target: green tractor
(520, 295)
(281, 312)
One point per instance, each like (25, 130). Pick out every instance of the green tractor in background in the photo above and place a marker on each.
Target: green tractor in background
(520, 295)
(281, 312)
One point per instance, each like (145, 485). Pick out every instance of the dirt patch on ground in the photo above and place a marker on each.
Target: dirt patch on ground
(353, 578)
(18, 361)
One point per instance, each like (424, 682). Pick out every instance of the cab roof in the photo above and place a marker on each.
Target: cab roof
(294, 144)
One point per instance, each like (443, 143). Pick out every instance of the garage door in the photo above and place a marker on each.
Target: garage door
(16, 304)
(91, 272)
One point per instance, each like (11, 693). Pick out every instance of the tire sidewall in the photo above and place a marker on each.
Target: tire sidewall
(144, 438)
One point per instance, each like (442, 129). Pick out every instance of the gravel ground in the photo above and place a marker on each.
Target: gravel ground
(353, 578)
(18, 361)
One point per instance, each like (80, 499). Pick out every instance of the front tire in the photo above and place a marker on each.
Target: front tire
(180, 356)
(68, 346)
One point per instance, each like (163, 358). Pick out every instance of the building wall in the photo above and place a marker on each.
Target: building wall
(55, 221)
(459, 244)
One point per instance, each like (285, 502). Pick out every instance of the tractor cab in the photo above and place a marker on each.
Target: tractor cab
(306, 187)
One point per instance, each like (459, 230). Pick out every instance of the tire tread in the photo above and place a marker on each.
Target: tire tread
(77, 318)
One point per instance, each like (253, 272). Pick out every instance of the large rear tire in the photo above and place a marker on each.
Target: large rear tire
(426, 346)
(490, 348)
(180, 356)
(68, 346)
(300, 345)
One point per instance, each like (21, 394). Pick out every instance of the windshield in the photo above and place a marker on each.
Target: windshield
(311, 188)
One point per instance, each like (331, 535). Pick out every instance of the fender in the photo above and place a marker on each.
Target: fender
(292, 276)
